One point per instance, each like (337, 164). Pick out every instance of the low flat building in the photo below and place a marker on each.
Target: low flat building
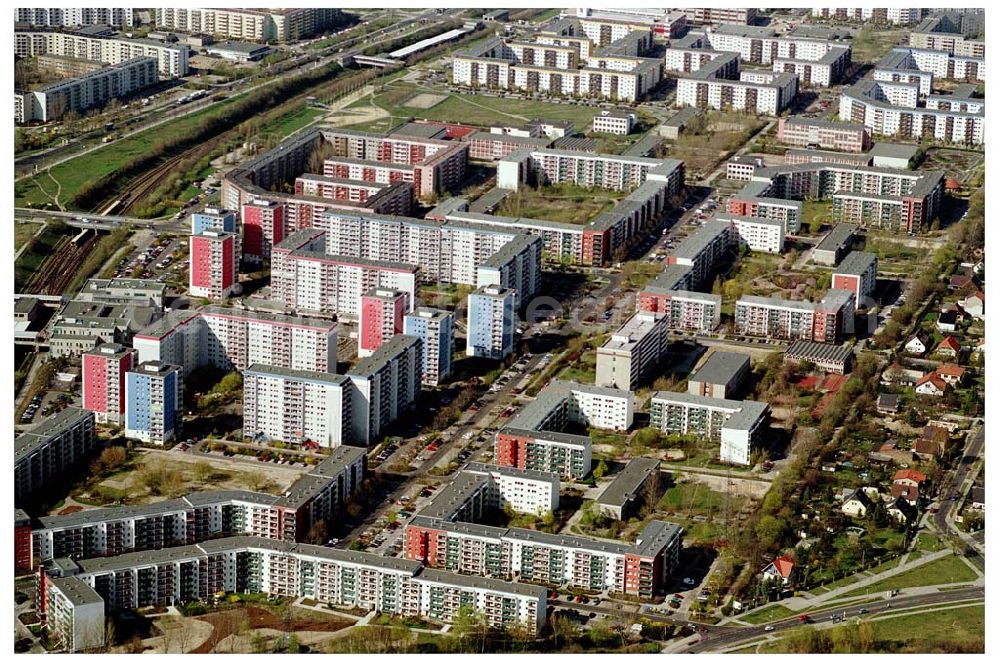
(238, 51)
(826, 357)
(636, 486)
(835, 245)
(723, 375)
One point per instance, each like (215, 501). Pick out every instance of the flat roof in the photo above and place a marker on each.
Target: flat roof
(631, 332)
(76, 591)
(625, 486)
(238, 47)
(837, 237)
(493, 584)
(389, 350)
(895, 150)
(856, 263)
(721, 367)
(275, 371)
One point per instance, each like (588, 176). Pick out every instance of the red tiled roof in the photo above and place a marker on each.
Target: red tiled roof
(911, 474)
(934, 378)
(784, 566)
(950, 342)
(950, 369)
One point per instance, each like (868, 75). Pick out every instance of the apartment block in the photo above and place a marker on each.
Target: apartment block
(296, 406)
(384, 387)
(101, 45)
(263, 228)
(307, 279)
(722, 15)
(73, 613)
(382, 312)
(436, 331)
(877, 15)
(683, 310)
(573, 56)
(252, 25)
(236, 339)
(704, 250)
(736, 425)
(634, 487)
(213, 219)
(722, 375)
(153, 402)
(824, 134)
(826, 321)
(856, 274)
(492, 146)
(213, 264)
(319, 494)
(491, 322)
(119, 17)
(892, 110)
(357, 192)
(637, 569)
(52, 449)
(78, 95)
(104, 369)
(720, 85)
(877, 197)
(633, 351)
(478, 488)
(953, 33)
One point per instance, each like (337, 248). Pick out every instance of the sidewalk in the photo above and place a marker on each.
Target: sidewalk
(809, 600)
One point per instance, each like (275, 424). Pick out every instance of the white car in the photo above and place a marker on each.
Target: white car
(769, 627)
(689, 581)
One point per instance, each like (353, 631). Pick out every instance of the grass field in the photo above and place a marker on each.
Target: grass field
(561, 203)
(583, 370)
(292, 122)
(40, 250)
(469, 109)
(872, 44)
(73, 174)
(945, 571)
(23, 231)
(691, 498)
(769, 614)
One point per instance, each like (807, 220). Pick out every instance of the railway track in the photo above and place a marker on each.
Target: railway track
(53, 276)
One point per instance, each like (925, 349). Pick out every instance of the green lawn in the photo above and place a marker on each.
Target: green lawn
(23, 231)
(841, 582)
(692, 498)
(929, 542)
(73, 174)
(954, 624)
(475, 109)
(769, 614)
(945, 571)
(871, 44)
(583, 370)
(566, 203)
(292, 122)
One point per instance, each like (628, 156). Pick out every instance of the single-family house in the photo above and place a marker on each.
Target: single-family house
(896, 374)
(948, 348)
(779, 568)
(856, 504)
(891, 453)
(906, 485)
(959, 281)
(947, 322)
(931, 384)
(901, 511)
(932, 442)
(977, 499)
(975, 305)
(888, 403)
(918, 344)
(951, 373)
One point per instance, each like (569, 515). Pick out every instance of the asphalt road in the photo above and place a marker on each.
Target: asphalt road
(721, 638)
(962, 474)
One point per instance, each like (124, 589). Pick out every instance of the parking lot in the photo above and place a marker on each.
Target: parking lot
(162, 259)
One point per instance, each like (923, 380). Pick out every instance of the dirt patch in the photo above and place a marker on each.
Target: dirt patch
(227, 623)
(425, 100)
(72, 508)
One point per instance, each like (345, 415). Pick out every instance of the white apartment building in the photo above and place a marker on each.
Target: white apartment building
(252, 25)
(525, 491)
(683, 309)
(892, 15)
(53, 101)
(384, 387)
(736, 425)
(633, 351)
(172, 59)
(890, 109)
(53, 17)
(712, 87)
(307, 279)
(598, 407)
(435, 329)
(295, 406)
(759, 234)
(236, 339)
(774, 317)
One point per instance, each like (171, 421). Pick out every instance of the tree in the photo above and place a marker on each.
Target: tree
(600, 470)
(256, 480)
(768, 530)
(112, 458)
(564, 630)
(203, 471)
(293, 644)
